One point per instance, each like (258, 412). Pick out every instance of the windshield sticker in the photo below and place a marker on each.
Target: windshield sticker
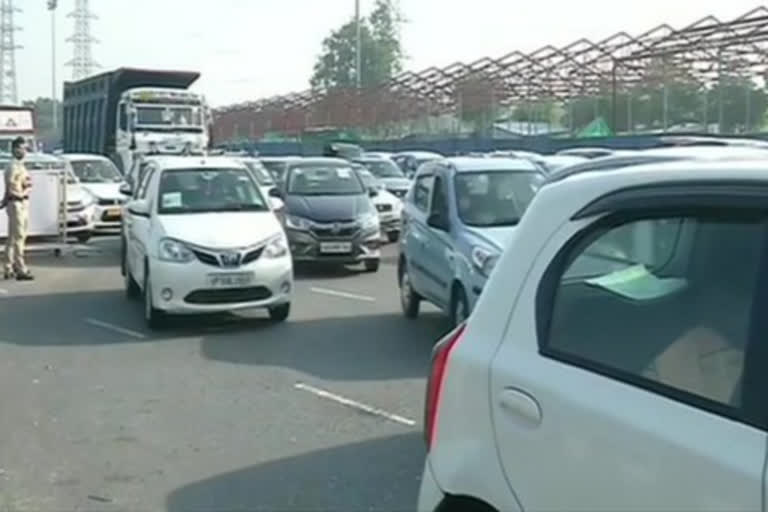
(172, 200)
(344, 173)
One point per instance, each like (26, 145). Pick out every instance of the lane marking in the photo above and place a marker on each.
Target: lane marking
(115, 328)
(343, 295)
(355, 405)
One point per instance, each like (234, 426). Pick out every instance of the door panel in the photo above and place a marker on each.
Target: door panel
(439, 257)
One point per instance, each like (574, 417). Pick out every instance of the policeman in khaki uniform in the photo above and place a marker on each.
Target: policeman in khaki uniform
(16, 202)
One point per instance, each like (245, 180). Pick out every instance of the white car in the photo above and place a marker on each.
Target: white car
(199, 237)
(99, 176)
(616, 358)
(388, 205)
(265, 179)
(81, 204)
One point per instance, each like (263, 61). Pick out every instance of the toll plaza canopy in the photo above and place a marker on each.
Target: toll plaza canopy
(702, 51)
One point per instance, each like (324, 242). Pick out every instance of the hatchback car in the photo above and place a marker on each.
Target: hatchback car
(457, 219)
(199, 237)
(388, 173)
(409, 161)
(389, 206)
(99, 176)
(329, 215)
(616, 359)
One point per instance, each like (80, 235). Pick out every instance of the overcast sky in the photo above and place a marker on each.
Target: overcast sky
(246, 49)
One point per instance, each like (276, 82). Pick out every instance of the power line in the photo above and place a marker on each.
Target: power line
(8, 47)
(82, 62)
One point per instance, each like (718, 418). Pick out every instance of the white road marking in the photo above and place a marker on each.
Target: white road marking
(354, 404)
(343, 295)
(115, 328)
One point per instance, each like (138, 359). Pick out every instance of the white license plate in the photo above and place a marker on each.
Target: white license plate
(335, 247)
(114, 212)
(231, 280)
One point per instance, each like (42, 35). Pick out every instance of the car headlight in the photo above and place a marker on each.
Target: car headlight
(276, 248)
(294, 222)
(174, 251)
(484, 260)
(370, 221)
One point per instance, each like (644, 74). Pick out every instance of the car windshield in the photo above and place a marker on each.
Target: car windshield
(261, 174)
(324, 180)
(96, 171)
(495, 198)
(369, 180)
(209, 190)
(383, 168)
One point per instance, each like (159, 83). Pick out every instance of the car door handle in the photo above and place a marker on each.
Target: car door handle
(522, 405)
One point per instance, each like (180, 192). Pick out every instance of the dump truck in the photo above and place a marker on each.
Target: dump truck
(129, 112)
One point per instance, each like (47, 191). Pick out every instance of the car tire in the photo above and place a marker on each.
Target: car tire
(153, 316)
(410, 301)
(280, 313)
(393, 236)
(83, 237)
(371, 265)
(132, 290)
(459, 306)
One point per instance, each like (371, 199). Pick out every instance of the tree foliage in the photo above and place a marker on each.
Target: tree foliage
(381, 52)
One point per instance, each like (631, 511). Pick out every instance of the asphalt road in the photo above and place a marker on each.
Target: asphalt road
(323, 412)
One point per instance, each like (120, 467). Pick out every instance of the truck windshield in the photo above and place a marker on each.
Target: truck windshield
(175, 117)
(96, 171)
(209, 190)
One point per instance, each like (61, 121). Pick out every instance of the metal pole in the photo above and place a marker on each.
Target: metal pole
(358, 47)
(55, 114)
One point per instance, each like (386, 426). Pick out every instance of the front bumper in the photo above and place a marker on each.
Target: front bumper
(305, 246)
(81, 220)
(191, 293)
(107, 218)
(389, 222)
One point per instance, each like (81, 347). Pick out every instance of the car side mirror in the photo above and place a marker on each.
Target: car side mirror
(372, 192)
(275, 192)
(139, 207)
(126, 189)
(438, 221)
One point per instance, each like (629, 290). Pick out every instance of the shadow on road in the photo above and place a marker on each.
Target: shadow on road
(381, 474)
(364, 347)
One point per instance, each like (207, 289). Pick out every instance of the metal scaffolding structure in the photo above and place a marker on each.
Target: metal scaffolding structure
(82, 63)
(8, 47)
(617, 70)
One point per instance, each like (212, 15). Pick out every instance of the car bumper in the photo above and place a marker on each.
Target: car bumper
(389, 223)
(183, 288)
(82, 221)
(430, 494)
(306, 247)
(107, 218)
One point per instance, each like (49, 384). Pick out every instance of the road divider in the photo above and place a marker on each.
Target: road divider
(374, 411)
(343, 295)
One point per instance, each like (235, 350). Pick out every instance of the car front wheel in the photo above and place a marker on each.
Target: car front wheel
(152, 315)
(280, 313)
(371, 265)
(409, 299)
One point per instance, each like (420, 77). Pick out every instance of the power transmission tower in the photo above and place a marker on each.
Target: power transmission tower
(82, 63)
(8, 47)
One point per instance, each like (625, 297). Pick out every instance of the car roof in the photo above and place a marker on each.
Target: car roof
(372, 158)
(195, 162)
(659, 155)
(279, 158)
(323, 160)
(82, 156)
(474, 164)
(419, 154)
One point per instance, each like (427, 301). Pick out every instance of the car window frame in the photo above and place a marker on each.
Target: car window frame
(425, 173)
(751, 411)
(141, 191)
(442, 179)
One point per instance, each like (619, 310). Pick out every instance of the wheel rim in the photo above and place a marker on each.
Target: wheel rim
(405, 290)
(147, 300)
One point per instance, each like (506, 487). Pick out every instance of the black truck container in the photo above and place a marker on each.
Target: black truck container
(90, 105)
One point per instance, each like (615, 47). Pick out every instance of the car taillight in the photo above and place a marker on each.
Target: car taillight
(440, 356)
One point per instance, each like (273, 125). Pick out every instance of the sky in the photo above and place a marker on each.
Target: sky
(249, 49)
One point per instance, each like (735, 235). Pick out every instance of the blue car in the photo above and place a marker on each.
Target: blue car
(457, 219)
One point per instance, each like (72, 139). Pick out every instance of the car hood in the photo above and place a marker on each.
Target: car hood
(104, 190)
(221, 230)
(498, 237)
(328, 208)
(396, 183)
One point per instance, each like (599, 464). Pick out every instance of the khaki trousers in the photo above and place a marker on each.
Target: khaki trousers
(18, 221)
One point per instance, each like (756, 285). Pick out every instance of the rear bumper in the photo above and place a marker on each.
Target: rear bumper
(430, 494)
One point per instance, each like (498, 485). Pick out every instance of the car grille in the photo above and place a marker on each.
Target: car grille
(384, 207)
(335, 230)
(110, 202)
(213, 259)
(228, 296)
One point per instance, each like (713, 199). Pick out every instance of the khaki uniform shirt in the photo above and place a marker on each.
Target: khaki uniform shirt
(16, 179)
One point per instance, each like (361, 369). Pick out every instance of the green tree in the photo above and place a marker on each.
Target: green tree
(381, 52)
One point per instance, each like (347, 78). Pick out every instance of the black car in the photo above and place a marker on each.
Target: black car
(329, 215)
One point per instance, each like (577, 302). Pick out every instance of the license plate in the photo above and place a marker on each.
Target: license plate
(114, 212)
(336, 247)
(232, 280)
